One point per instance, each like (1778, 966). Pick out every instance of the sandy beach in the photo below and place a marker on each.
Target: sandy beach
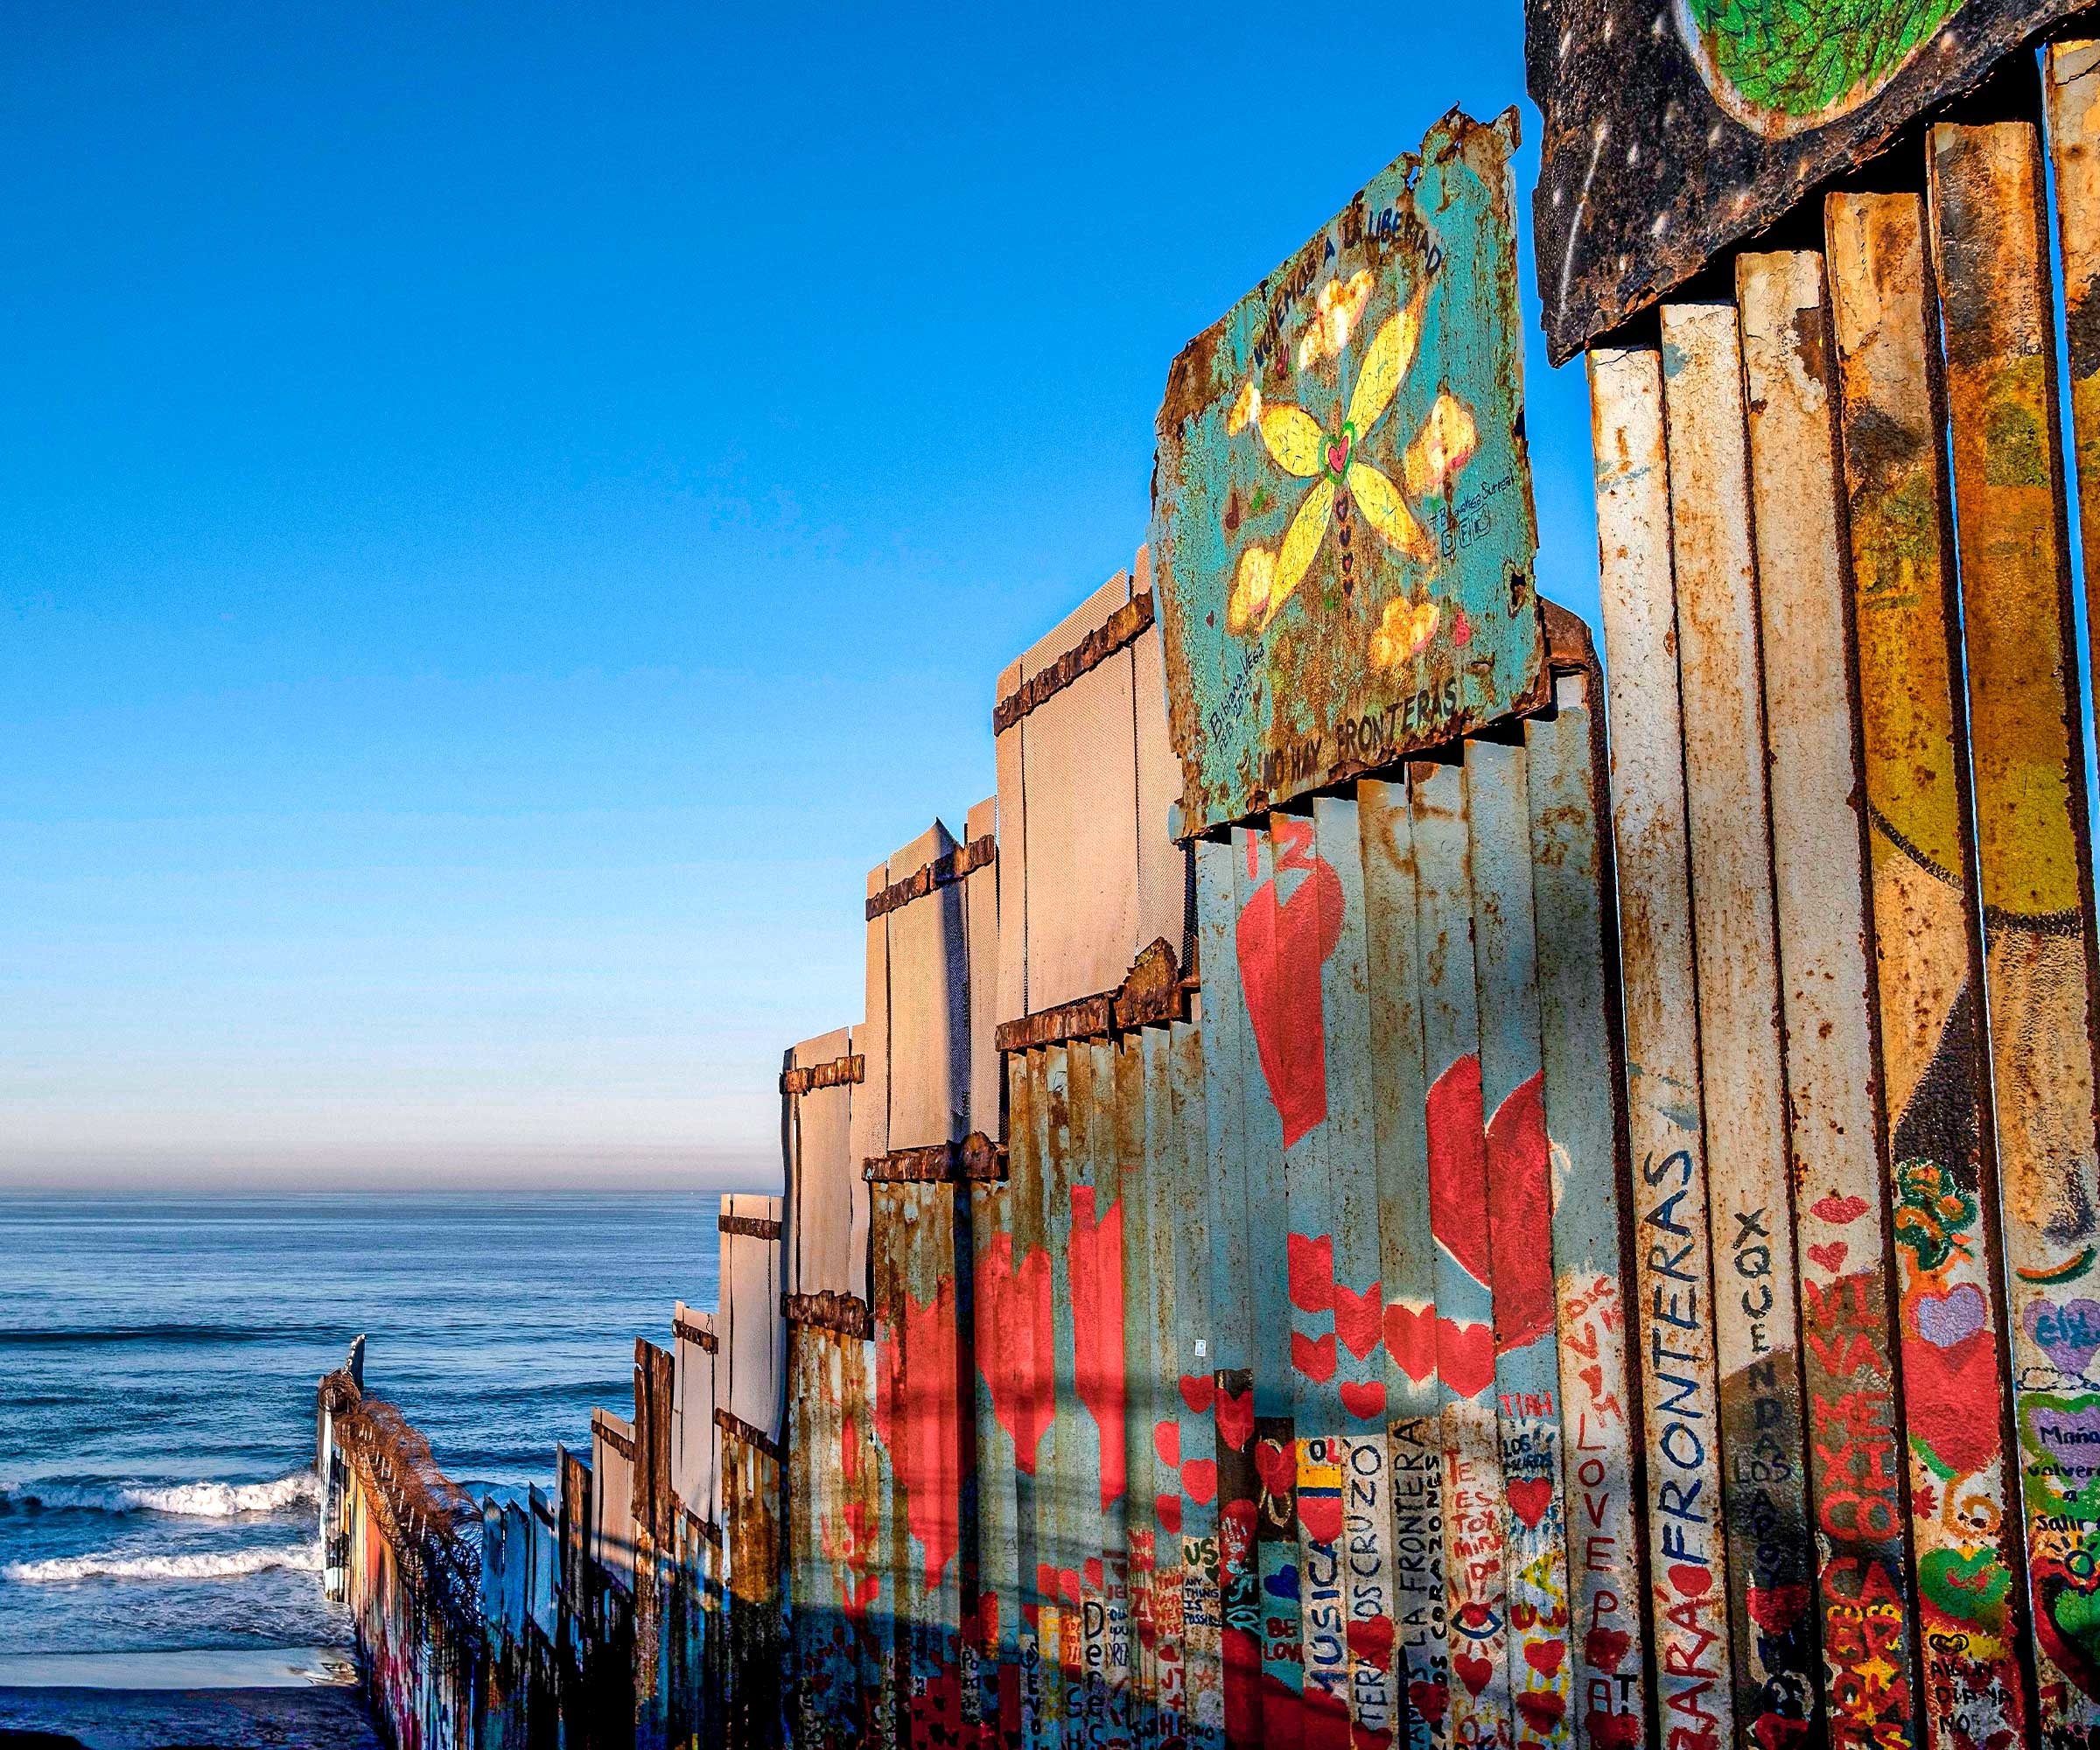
(285, 1700)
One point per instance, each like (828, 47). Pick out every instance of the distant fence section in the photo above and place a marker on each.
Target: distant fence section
(1383, 1196)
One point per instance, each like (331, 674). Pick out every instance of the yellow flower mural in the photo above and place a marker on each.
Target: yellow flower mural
(1342, 481)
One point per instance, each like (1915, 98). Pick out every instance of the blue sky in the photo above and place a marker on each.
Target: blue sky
(513, 510)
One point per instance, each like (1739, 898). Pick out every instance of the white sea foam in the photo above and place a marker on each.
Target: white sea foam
(189, 1500)
(223, 1565)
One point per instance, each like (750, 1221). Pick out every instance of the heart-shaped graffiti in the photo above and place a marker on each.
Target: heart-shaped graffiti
(1457, 1166)
(1363, 1398)
(1311, 1267)
(1198, 1391)
(1166, 1441)
(1520, 1214)
(1321, 1517)
(1199, 1480)
(1282, 944)
(1313, 1356)
(1466, 1357)
(1236, 1419)
(1946, 1319)
(1838, 1211)
(1543, 1710)
(1529, 1497)
(1371, 1641)
(1014, 1350)
(1410, 1338)
(1545, 1657)
(1473, 1671)
(1832, 1257)
(1776, 1608)
(2068, 1332)
(1277, 1466)
(1167, 1509)
(1357, 1318)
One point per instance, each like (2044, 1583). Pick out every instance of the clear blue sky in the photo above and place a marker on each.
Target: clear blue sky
(512, 510)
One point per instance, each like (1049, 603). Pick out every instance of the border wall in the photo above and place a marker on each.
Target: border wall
(1383, 1195)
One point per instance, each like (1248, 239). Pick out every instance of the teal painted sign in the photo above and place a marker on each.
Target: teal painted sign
(1342, 526)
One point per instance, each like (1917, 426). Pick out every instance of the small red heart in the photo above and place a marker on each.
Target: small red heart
(1364, 1399)
(1067, 1583)
(1612, 1730)
(1276, 1466)
(1529, 1497)
(1465, 1356)
(1545, 1657)
(1357, 1318)
(1167, 1510)
(1371, 1641)
(1776, 1609)
(1461, 628)
(1838, 1210)
(1832, 1257)
(1236, 1419)
(1604, 1648)
(1198, 1389)
(1321, 1517)
(1200, 1480)
(1338, 454)
(1775, 1732)
(1692, 1581)
(1166, 1441)
(1046, 1580)
(1473, 1671)
(1094, 1575)
(1410, 1338)
(1542, 1710)
(1311, 1271)
(1430, 1700)
(1315, 1359)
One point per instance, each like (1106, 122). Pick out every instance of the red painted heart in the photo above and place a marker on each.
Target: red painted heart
(1357, 1318)
(1545, 1657)
(1371, 1641)
(1832, 1257)
(1542, 1710)
(1277, 1466)
(1457, 1166)
(1198, 1390)
(1364, 1399)
(1605, 1648)
(1529, 1497)
(1311, 1271)
(1338, 454)
(1430, 1700)
(1321, 1517)
(1166, 1441)
(1167, 1510)
(1094, 1575)
(1691, 1581)
(1282, 946)
(1837, 1210)
(1473, 1671)
(1410, 1338)
(1466, 1357)
(1199, 1480)
(1313, 1357)
(1236, 1419)
(1776, 1609)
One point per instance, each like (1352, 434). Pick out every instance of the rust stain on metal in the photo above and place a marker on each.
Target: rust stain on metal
(738, 1429)
(844, 1314)
(1118, 631)
(2071, 85)
(841, 1072)
(1153, 994)
(751, 1227)
(974, 1157)
(942, 872)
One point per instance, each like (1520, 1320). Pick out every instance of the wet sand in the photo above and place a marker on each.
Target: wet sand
(315, 1716)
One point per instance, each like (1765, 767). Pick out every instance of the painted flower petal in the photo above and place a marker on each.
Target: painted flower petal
(1301, 543)
(1386, 511)
(1445, 444)
(1294, 438)
(1386, 360)
(1246, 609)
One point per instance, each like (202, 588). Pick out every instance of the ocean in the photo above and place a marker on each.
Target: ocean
(158, 1363)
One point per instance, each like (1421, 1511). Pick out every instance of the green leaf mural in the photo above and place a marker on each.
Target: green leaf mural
(1783, 65)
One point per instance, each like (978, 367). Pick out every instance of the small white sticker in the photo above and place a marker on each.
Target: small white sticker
(1202, 1347)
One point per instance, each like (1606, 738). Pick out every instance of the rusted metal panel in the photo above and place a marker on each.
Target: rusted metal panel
(1406, 1266)
(1143, 1114)
(1519, 1213)
(1342, 527)
(981, 940)
(1670, 136)
(1363, 1531)
(831, 1581)
(1475, 1541)
(1276, 1084)
(1772, 1556)
(1011, 1305)
(754, 1661)
(1674, 1340)
(922, 1361)
(827, 1250)
(1856, 1467)
(1230, 1337)
(2071, 89)
(2035, 861)
(1567, 797)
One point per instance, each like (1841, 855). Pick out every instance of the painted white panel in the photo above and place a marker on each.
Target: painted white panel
(1163, 883)
(827, 1206)
(612, 1499)
(981, 940)
(929, 1004)
(871, 1105)
(1012, 1000)
(751, 1293)
(695, 1441)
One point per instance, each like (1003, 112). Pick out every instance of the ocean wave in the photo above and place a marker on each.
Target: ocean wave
(223, 1565)
(185, 1499)
(65, 1338)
